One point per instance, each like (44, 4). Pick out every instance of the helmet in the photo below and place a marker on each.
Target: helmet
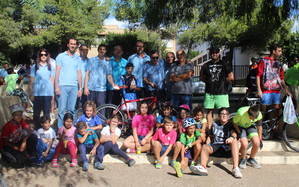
(189, 122)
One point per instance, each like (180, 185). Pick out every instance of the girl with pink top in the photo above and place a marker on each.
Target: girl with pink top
(163, 141)
(143, 127)
(67, 143)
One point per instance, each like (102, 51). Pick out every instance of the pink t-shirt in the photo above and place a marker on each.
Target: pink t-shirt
(165, 138)
(143, 124)
(69, 134)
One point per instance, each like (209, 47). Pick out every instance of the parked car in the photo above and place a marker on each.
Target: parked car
(198, 86)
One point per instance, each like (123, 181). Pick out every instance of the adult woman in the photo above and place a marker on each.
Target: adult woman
(42, 84)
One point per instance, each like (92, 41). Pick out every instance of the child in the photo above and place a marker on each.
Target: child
(109, 137)
(90, 117)
(88, 142)
(11, 81)
(245, 124)
(166, 112)
(184, 112)
(200, 122)
(189, 145)
(17, 140)
(67, 142)
(48, 139)
(163, 141)
(143, 127)
(130, 87)
(223, 137)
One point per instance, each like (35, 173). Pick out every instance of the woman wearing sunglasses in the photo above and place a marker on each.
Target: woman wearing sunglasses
(42, 85)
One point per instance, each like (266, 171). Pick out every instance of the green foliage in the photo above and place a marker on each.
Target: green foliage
(26, 25)
(128, 40)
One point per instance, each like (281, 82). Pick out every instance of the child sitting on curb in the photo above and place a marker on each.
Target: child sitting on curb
(88, 143)
(109, 137)
(189, 145)
(163, 141)
(224, 137)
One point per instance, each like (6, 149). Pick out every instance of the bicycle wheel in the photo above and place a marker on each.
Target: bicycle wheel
(107, 111)
(290, 135)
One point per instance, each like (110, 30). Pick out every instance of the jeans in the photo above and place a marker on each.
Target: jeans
(109, 147)
(98, 97)
(84, 149)
(179, 99)
(41, 103)
(67, 101)
(40, 148)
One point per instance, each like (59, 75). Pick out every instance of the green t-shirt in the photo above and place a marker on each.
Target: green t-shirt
(185, 139)
(242, 117)
(11, 82)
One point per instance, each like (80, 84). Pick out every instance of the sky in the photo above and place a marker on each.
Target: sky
(112, 21)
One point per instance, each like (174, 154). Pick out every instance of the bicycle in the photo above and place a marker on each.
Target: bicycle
(106, 111)
(272, 126)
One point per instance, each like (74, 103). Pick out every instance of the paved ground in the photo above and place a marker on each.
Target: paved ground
(147, 175)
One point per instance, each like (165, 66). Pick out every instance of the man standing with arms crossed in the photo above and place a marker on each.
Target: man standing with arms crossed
(68, 80)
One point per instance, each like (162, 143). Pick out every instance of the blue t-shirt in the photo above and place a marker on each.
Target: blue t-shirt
(155, 74)
(3, 73)
(69, 67)
(118, 69)
(160, 119)
(91, 122)
(42, 84)
(83, 67)
(98, 72)
(90, 138)
(138, 63)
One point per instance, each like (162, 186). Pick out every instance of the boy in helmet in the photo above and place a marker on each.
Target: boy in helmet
(222, 136)
(189, 146)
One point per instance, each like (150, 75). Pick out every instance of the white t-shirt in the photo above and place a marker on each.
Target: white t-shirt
(106, 131)
(46, 134)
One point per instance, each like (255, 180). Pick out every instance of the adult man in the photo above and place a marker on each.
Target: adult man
(180, 76)
(216, 74)
(169, 62)
(154, 75)
(84, 60)
(68, 80)
(138, 60)
(98, 71)
(270, 79)
(118, 66)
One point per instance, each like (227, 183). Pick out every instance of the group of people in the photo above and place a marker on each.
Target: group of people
(90, 82)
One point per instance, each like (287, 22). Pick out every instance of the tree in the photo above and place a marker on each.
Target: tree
(26, 25)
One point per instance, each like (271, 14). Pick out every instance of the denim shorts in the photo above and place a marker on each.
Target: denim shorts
(270, 98)
(163, 150)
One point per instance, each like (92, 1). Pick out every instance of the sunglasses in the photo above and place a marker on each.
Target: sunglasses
(139, 46)
(155, 57)
(224, 114)
(43, 54)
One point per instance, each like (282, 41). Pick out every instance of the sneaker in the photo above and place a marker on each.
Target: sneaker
(54, 163)
(237, 173)
(131, 150)
(242, 164)
(74, 163)
(171, 163)
(199, 170)
(253, 163)
(85, 166)
(178, 170)
(158, 165)
(131, 162)
(99, 166)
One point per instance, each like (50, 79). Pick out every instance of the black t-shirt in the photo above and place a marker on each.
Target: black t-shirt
(215, 77)
(220, 132)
